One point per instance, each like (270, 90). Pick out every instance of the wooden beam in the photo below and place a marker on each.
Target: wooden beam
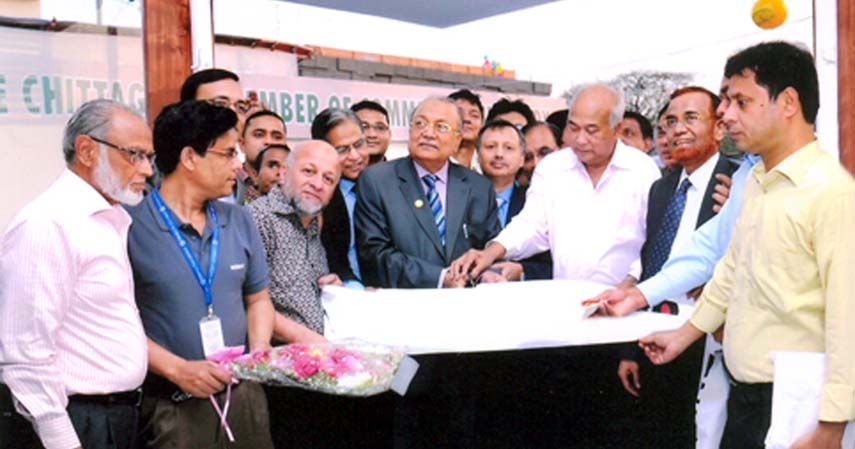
(167, 52)
(846, 82)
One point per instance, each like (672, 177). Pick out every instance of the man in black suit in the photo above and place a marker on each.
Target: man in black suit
(413, 217)
(694, 134)
(501, 155)
(417, 214)
(341, 128)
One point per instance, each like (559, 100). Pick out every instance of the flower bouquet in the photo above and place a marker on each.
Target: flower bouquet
(349, 368)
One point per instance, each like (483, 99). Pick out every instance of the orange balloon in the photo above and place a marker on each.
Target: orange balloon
(768, 14)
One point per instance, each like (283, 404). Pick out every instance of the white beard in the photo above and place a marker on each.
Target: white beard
(105, 178)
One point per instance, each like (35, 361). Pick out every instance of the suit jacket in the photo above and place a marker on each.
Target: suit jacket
(661, 192)
(398, 242)
(538, 266)
(335, 236)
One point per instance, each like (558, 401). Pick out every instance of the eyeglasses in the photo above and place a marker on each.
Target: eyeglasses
(241, 106)
(689, 119)
(230, 154)
(378, 127)
(440, 127)
(137, 156)
(344, 149)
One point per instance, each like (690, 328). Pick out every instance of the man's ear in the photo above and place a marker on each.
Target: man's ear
(86, 150)
(789, 102)
(188, 158)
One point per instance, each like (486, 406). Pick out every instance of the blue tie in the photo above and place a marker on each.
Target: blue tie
(502, 205)
(664, 238)
(435, 205)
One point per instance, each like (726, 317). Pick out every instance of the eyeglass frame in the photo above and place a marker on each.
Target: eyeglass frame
(241, 106)
(377, 127)
(433, 125)
(689, 118)
(137, 156)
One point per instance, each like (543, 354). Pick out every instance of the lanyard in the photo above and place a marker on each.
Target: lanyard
(204, 283)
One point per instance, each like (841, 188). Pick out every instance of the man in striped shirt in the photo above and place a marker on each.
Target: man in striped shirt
(72, 347)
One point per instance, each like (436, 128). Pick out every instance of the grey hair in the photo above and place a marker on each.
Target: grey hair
(92, 118)
(442, 100)
(617, 110)
(329, 118)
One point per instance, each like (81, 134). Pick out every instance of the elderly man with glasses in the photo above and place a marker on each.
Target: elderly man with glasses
(416, 214)
(413, 216)
(74, 351)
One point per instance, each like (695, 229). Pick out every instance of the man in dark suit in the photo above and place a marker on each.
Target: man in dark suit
(501, 155)
(417, 214)
(413, 217)
(341, 128)
(678, 203)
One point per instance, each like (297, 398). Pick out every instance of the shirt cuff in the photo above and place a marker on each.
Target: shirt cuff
(653, 291)
(354, 285)
(58, 433)
(837, 403)
(441, 277)
(706, 317)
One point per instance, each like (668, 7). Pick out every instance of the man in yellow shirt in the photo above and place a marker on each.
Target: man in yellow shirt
(785, 282)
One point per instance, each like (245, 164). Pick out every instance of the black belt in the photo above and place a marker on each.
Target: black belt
(133, 397)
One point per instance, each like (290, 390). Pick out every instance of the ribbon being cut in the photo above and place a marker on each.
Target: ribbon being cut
(490, 317)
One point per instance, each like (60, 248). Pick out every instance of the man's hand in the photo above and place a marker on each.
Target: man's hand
(200, 378)
(473, 262)
(628, 373)
(721, 192)
(620, 302)
(695, 293)
(511, 271)
(663, 347)
(329, 279)
(452, 281)
(827, 435)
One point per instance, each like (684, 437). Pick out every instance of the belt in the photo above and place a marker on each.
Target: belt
(132, 397)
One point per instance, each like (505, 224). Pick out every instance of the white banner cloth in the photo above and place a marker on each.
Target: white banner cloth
(796, 391)
(513, 315)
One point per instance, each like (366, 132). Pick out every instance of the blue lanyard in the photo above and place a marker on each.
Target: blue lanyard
(204, 283)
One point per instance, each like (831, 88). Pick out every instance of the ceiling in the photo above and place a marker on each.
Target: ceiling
(434, 13)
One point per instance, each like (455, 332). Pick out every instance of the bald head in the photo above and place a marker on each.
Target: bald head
(312, 172)
(591, 131)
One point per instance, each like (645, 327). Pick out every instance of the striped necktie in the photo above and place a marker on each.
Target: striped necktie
(435, 205)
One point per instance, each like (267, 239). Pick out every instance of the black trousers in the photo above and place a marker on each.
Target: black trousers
(749, 414)
(99, 424)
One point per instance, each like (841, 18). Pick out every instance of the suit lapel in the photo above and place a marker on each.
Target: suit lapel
(725, 166)
(659, 198)
(457, 197)
(411, 189)
(517, 202)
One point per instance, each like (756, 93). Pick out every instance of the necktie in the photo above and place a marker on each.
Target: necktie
(502, 205)
(664, 238)
(435, 205)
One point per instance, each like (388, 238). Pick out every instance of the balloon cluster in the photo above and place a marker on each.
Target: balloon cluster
(494, 67)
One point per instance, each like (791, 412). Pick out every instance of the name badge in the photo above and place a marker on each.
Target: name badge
(211, 330)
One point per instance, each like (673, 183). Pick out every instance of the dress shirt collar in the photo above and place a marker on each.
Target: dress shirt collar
(442, 173)
(219, 207)
(795, 167)
(282, 206)
(87, 200)
(346, 186)
(701, 176)
(621, 158)
(506, 194)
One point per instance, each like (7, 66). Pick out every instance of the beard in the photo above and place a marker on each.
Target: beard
(304, 208)
(108, 182)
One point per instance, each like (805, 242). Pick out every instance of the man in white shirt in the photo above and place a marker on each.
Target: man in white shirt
(73, 350)
(588, 205)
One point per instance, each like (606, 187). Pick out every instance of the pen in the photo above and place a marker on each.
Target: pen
(465, 231)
